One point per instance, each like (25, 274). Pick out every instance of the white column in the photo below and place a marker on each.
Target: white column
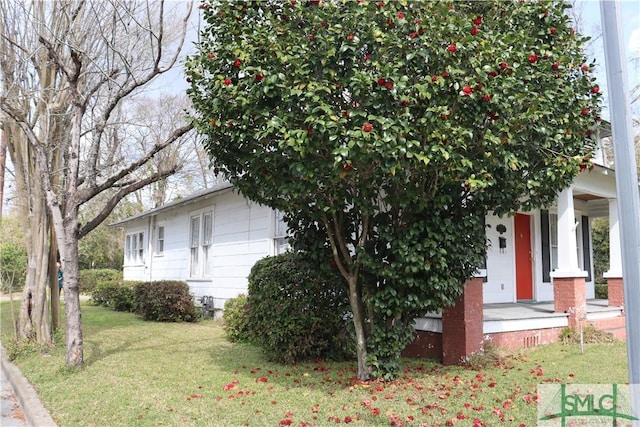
(567, 243)
(615, 252)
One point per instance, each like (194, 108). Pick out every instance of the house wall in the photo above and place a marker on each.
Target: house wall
(242, 234)
(500, 281)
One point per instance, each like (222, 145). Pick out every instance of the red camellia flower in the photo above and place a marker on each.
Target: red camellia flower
(595, 89)
(444, 75)
(486, 97)
(474, 30)
(259, 77)
(237, 63)
(367, 127)
(413, 35)
(553, 31)
(452, 48)
(381, 81)
(477, 20)
(310, 132)
(380, 4)
(347, 167)
(345, 113)
(467, 90)
(404, 102)
(492, 74)
(585, 68)
(435, 78)
(367, 57)
(227, 82)
(503, 65)
(212, 55)
(585, 112)
(533, 58)
(400, 15)
(389, 85)
(555, 66)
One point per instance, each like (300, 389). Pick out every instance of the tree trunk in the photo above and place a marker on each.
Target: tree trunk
(358, 323)
(75, 347)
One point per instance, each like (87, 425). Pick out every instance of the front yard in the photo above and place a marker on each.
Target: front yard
(188, 374)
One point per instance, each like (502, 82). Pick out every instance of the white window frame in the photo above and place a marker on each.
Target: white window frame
(200, 243)
(280, 234)
(134, 248)
(158, 248)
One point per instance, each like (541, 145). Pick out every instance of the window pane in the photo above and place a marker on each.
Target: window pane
(208, 229)
(195, 231)
(141, 246)
(160, 245)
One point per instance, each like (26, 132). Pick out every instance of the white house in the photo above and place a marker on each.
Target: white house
(212, 239)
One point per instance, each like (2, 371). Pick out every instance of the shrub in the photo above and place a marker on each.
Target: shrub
(236, 319)
(117, 295)
(13, 266)
(165, 301)
(296, 312)
(89, 279)
(602, 291)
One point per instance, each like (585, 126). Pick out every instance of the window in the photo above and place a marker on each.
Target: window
(134, 248)
(160, 240)
(201, 240)
(280, 235)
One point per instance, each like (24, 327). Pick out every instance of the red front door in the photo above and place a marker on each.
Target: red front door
(524, 270)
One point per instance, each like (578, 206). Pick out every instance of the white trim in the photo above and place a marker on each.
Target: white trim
(512, 325)
(565, 274)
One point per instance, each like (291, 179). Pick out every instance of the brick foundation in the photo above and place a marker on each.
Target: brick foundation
(570, 296)
(462, 325)
(516, 340)
(615, 289)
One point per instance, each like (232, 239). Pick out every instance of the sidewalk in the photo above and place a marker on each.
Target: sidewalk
(19, 402)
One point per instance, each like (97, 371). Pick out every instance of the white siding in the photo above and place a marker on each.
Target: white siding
(242, 234)
(500, 284)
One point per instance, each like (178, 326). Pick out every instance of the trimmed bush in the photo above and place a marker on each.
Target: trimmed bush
(236, 319)
(116, 295)
(89, 279)
(296, 311)
(165, 301)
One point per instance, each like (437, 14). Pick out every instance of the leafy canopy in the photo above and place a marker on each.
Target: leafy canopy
(331, 102)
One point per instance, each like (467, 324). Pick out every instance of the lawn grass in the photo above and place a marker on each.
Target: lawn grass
(187, 374)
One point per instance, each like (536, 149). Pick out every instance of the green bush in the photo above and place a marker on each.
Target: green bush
(117, 295)
(602, 291)
(296, 311)
(89, 279)
(13, 266)
(236, 319)
(165, 301)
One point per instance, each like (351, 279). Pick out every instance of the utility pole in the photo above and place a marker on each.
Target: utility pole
(626, 187)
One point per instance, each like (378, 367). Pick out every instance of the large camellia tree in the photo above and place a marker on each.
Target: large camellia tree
(386, 131)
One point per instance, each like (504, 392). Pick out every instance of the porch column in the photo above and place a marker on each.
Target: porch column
(569, 289)
(614, 275)
(462, 332)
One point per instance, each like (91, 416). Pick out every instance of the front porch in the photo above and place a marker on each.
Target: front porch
(518, 325)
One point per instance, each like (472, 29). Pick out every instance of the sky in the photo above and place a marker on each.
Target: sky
(589, 17)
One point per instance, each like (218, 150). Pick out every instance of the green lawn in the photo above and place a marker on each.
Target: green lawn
(148, 374)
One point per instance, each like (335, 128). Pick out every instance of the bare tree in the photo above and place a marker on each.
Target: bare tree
(70, 70)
